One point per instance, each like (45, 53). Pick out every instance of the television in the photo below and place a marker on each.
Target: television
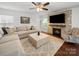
(60, 18)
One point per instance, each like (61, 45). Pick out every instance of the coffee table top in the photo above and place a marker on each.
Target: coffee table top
(41, 36)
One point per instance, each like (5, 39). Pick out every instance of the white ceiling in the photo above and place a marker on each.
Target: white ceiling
(24, 6)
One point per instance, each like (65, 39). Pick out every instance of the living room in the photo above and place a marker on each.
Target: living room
(26, 30)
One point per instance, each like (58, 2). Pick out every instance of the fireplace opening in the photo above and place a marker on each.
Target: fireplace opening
(57, 32)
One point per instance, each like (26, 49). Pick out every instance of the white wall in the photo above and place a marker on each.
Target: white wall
(36, 20)
(17, 14)
(75, 17)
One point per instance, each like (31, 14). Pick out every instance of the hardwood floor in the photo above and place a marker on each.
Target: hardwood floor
(68, 49)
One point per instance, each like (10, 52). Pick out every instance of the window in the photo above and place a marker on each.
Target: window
(6, 20)
(45, 22)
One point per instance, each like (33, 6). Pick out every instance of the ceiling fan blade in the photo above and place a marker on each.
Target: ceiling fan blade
(46, 4)
(44, 8)
(34, 3)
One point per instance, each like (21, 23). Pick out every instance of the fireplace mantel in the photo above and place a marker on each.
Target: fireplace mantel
(58, 25)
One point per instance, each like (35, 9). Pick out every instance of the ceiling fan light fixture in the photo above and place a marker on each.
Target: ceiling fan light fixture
(39, 9)
(40, 6)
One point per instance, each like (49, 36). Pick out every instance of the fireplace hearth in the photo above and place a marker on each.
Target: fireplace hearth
(57, 32)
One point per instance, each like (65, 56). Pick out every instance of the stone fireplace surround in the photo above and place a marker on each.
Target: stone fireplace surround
(57, 31)
(66, 25)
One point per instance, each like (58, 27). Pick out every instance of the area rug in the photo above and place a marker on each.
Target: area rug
(48, 49)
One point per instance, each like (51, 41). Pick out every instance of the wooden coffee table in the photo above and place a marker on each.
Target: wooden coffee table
(38, 41)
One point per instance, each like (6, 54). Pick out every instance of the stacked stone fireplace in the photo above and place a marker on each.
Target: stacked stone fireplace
(58, 29)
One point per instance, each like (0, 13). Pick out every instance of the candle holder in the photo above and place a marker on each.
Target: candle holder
(38, 33)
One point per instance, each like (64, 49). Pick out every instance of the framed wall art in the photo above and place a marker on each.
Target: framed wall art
(25, 20)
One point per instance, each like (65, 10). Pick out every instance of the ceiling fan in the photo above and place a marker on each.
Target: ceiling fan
(40, 6)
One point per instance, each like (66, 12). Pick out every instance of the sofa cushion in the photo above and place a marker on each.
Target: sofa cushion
(22, 34)
(28, 27)
(7, 38)
(11, 30)
(31, 31)
(21, 28)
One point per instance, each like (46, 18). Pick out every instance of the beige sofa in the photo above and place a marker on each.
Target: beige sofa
(10, 43)
(22, 30)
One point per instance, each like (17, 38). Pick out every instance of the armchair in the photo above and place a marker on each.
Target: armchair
(72, 37)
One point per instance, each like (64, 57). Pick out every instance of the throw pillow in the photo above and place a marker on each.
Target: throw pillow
(4, 30)
(75, 31)
(32, 28)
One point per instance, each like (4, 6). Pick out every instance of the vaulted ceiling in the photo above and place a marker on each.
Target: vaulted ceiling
(25, 6)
